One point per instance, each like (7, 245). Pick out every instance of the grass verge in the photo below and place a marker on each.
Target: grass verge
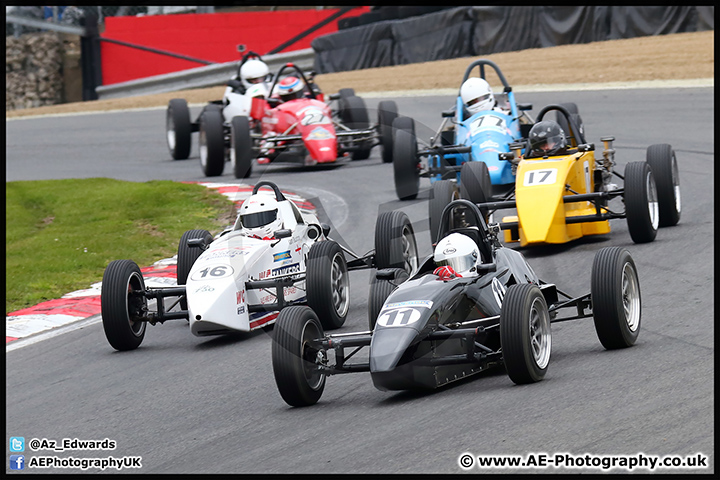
(61, 234)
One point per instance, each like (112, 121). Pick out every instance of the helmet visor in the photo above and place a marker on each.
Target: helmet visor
(255, 80)
(255, 220)
(546, 145)
(481, 98)
(459, 264)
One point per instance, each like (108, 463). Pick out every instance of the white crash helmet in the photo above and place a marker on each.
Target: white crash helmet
(253, 71)
(259, 216)
(477, 95)
(459, 252)
(290, 88)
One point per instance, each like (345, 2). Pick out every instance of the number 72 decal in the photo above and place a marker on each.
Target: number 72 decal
(547, 176)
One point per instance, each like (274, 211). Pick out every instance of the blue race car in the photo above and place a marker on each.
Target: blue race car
(465, 149)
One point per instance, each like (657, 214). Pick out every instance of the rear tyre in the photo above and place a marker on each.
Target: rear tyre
(122, 305)
(641, 202)
(328, 283)
(355, 116)
(616, 300)
(525, 335)
(346, 92)
(380, 290)
(475, 183)
(178, 129)
(295, 357)
(395, 245)
(186, 257)
(405, 161)
(241, 147)
(661, 158)
(443, 192)
(387, 113)
(212, 143)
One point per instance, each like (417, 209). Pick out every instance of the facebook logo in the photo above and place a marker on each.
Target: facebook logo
(17, 444)
(17, 462)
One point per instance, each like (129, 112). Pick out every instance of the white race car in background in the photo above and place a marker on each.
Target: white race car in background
(236, 101)
(237, 283)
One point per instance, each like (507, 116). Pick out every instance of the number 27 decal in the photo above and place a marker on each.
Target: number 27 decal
(540, 177)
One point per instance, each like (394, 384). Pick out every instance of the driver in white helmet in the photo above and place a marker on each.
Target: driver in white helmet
(253, 71)
(456, 255)
(477, 95)
(259, 217)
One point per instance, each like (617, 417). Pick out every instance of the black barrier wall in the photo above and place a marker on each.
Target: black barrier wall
(470, 31)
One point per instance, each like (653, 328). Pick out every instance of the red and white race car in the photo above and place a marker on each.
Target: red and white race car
(298, 124)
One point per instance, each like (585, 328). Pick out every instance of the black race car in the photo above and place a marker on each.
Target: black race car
(427, 331)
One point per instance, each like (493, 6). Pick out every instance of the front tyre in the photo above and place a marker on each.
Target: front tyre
(525, 335)
(475, 182)
(296, 357)
(405, 160)
(661, 158)
(641, 202)
(123, 305)
(395, 245)
(380, 290)
(616, 301)
(186, 257)
(178, 129)
(328, 283)
(241, 147)
(212, 143)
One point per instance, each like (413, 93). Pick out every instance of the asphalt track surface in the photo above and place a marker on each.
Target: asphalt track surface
(210, 405)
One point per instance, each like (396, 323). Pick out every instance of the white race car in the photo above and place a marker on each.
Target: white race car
(253, 79)
(274, 256)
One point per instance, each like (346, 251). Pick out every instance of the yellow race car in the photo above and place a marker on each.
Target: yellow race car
(563, 192)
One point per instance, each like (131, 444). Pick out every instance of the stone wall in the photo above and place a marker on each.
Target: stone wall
(42, 69)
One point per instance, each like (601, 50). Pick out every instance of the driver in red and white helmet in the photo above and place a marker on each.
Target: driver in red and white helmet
(290, 88)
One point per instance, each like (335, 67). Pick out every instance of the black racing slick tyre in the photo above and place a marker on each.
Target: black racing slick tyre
(395, 244)
(328, 283)
(443, 192)
(295, 357)
(387, 113)
(186, 257)
(355, 116)
(616, 300)
(661, 158)
(525, 335)
(212, 143)
(346, 92)
(178, 129)
(123, 305)
(641, 202)
(380, 290)
(241, 153)
(405, 159)
(475, 182)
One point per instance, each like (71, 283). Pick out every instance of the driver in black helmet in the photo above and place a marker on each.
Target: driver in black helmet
(547, 139)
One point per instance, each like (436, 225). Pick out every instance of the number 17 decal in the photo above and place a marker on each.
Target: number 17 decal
(540, 177)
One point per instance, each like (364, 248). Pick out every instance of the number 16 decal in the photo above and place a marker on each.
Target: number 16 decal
(540, 177)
